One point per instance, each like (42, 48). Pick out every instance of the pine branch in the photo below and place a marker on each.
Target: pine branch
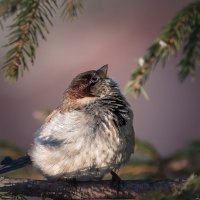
(191, 52)
(182, 29)
(84, 189)
(71, 8)
(30, 23)
(23, 38)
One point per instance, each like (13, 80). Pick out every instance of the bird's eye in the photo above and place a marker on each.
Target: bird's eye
(94, 80)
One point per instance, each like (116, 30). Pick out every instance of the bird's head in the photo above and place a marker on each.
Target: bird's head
(91, 85)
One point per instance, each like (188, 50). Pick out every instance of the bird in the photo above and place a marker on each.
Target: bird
(89, 134)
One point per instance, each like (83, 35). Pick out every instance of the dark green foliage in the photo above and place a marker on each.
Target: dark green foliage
(182, 32)
(31, 21)
(191, 57)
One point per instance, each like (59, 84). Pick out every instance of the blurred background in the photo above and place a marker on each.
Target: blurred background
(116, 33)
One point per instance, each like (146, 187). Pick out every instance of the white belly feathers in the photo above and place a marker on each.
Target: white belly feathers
(72, 146)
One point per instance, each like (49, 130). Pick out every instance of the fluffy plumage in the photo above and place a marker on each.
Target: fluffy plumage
(89, 134)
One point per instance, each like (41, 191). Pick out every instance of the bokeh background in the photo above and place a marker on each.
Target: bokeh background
(114, 32)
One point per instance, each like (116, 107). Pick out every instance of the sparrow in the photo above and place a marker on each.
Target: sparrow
(89, 134)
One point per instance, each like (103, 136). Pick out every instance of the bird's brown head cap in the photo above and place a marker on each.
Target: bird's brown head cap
(90, 86)
(82, 84)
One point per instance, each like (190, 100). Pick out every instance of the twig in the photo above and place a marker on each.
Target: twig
(104, 189)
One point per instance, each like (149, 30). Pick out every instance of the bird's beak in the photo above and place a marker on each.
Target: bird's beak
(102, 72)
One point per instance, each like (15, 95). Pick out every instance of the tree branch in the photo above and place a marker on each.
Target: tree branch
(104, 189)
(182, 31)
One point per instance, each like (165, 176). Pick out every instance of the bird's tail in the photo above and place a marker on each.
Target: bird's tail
(8, 164)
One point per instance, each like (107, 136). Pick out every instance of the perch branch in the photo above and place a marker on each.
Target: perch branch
(104, 189)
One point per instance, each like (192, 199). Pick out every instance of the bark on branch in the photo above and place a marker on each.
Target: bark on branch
(62, 189)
